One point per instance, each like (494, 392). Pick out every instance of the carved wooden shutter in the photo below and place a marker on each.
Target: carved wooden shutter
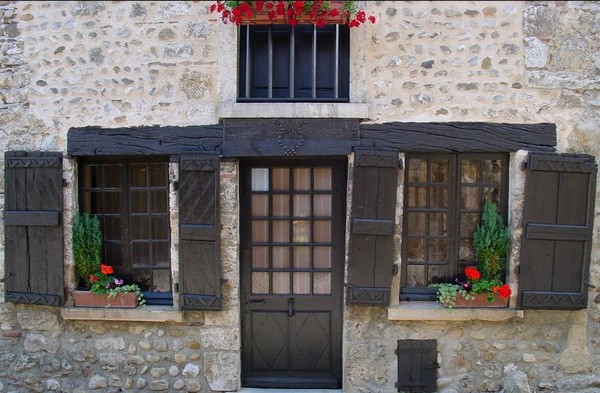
(199, 250)
(375, 182)
(34, 256)
(557, 231)
(417, 366)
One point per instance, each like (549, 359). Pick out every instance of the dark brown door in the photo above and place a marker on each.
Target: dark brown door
(292, 270)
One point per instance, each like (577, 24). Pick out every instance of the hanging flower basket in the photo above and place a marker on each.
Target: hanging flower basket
(318, 12)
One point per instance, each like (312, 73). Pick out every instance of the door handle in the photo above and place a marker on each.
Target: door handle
(291, 311)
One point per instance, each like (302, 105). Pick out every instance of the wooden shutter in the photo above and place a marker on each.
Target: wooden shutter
(370, 263)
(199, 251)
(417, 366)
(557, 231)
(34, 256)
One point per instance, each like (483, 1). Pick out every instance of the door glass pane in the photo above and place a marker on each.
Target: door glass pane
(438, 249)
(281, 205)
(281, 231)
(416, 249)
(302, 231)
(260, 231)
(322, 205)
(301, 257)
(322, 256)
(260, 179)
(281, 257)
(260, 205)
(440, 171)
(281, 179)
(260, 257)
(301, 179)
(417, 171)
(417, 197)
(260, 283)
(322, 231)
(415, 276)
(302, 283)
(322, 283)
(439, 197)
(301, 205)
(417, 223)
(470, 171)
(438, 224)
(281, 283)
(469, 198)
(322, 179)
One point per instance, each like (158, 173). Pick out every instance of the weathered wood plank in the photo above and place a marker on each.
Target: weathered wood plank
(91, 141)
(31, 218)
(372, 227)
(459, 137)
(289, 137)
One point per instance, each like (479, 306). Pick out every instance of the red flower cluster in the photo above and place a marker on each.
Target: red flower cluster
(472, 273)
(475, 283)
(317, 11)
(503, 291)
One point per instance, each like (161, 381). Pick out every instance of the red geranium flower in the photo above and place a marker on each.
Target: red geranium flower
(504, 291)
(472, 273)
(106, 269)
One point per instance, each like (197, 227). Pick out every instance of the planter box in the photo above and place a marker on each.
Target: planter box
(92, 299)
(481, 301)
(262, 17)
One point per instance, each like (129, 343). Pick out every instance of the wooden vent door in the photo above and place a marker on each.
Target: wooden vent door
(292, 269)
(417, 366)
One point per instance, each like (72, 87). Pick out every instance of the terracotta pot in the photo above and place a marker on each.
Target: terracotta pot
(481, 301)
(92, 299)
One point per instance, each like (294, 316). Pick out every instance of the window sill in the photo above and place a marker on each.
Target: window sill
(294, 110)
(139, 314)
(433, 311)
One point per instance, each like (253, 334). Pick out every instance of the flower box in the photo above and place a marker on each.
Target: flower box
(262, 17)
(481, 300)
(93, 299)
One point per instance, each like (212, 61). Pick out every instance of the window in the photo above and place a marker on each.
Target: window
(131, 199)
(302, 63)
(444, 196)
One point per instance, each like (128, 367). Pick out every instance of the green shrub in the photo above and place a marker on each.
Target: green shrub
(491, 243)
(87, 246)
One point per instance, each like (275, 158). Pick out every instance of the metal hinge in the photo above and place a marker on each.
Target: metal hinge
(176, 287)
(175, 185)
(395, 269)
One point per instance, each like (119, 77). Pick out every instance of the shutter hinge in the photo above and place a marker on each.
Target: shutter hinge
(524, 166)
(401, 164)
(395, 269)
(175, 185)
(6, 278)
(518, 270)
(590, 285)
(65, 183)
(176, 287)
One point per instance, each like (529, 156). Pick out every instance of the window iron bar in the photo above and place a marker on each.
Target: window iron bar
(314, 62)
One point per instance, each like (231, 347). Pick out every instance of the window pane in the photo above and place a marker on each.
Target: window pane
(138, 175)
(438, 224)
(470, 171)
(112, 203)
(112, 176)
(140, 253)
(260, 231)
(322, 205)
(416, 249)
(438, 250)
(281, 179)
(417, 223)
(322, 179)
(260, 179)
(322, 255)
(417, 170)
(301, 257)
(260, 283)
(415, 276)
(140, 227)
(161, 280)
(301, 231)
(260, 205)
(281, 231)
(492, 171)
(260, 257)
(302, 283)
(440, 171)
(301, 205)
(160, 254)
(417, 197)
(159, 175)
(281, 257)
(93, 176)
(469, 198)
(281, 205)
(159, 201)
(111, 229)
(301, 179)
(492, 194)
(468, 224)
(439, 197)
(322, 283)
(281, 283)
(465, 250)
(139, 202)
(322, 231)
(438, 273)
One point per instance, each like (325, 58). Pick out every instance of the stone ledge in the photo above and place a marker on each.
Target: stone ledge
(433, 311)
(140, 314)
(295, 110)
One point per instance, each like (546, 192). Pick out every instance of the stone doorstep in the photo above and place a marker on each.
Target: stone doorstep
(257, 390)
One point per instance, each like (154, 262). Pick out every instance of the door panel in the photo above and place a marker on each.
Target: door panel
(292, 269)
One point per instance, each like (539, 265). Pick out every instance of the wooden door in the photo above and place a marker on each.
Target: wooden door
(292, 271)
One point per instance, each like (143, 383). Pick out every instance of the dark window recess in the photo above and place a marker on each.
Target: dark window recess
(302, 63)
(558, 221)
(33, 228)
(131, 199)
(444, 196)
(417, 366)
(371, 254)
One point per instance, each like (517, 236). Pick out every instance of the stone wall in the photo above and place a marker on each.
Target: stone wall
(124, 64)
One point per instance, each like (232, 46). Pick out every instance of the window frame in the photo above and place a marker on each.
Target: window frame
(126, 270)
(455, 186)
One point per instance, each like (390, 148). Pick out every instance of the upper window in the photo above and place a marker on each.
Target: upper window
(294, 64)
(131, 199)
(444, 198)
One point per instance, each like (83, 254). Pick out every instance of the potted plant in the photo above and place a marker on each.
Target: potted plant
(318, 12)
(98, 288)
(481, 285)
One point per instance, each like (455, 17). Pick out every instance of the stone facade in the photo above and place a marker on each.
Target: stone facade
(127, 64)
